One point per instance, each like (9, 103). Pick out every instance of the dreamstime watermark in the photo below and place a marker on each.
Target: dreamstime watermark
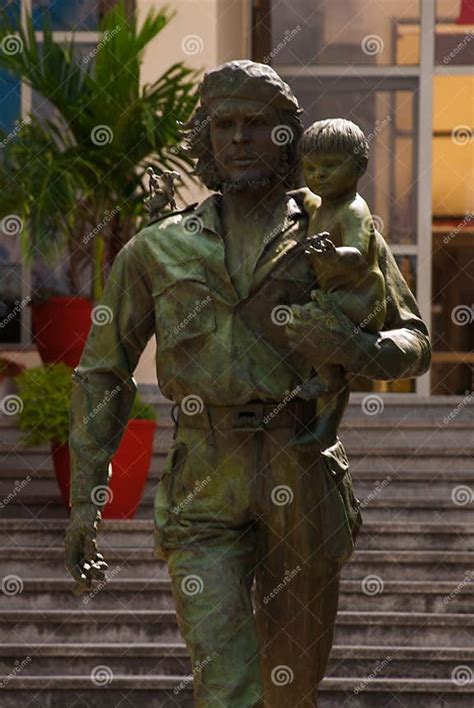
(281, 495)
(19, 485)
(282, 135)
(372, 404)
(379, 307)
(108, 215)
(469, 575)
(378, 489)
(462, 495)
(372, 222)
(192, 44)
(100, 586)
(289, 395)
(19, 306)
(102, 675)
(101, 495)
(467, 220)
(102, 135)
(461, 134)
(462, 675)
(12, 585)
(199, 485)
(281, 315)
(372, 44)
(458, 48)
(20, 665)
(12, 44)
(288, 577)
(379, 125)
(18, 126)
(372, 585)
(192, 585)
(289, 35)
(197, 669)
(102, 315)
(11, 405)
(193, 224)
(199, 305)
(462, 404)
(192, 404)
(11, 225)
(106, 37)
(462, 315)
(378, 668)
(109, 395)
(282, 675)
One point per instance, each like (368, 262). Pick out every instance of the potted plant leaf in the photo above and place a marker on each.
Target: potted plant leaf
(45, 392)
(76, 178)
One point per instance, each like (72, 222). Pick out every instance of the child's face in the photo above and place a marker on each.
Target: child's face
(329, 174)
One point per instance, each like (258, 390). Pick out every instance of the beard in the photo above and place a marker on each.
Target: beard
(247, 183)
(253, 183)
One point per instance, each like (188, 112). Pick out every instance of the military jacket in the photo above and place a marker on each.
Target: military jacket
(171, 281)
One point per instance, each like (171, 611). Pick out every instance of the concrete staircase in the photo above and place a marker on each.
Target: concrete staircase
(405, 630)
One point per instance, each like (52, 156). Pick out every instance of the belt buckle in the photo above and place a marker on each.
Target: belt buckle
(248, 418)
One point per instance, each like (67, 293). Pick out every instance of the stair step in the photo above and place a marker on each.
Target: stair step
(392, 486)
(363, 594)
(138, 533)
(412, 629)
(390, 565)
(172, 660)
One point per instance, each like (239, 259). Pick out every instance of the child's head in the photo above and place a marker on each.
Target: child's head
(334, 156)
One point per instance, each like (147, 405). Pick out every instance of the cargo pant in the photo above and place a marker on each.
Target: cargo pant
(235, 509)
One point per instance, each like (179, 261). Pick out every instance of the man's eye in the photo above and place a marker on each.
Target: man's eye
(224, 123)
(256, 121)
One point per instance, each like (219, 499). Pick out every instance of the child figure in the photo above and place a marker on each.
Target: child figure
(342, 250)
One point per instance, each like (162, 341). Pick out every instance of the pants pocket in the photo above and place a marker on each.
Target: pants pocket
(341, 516)
(165, 496)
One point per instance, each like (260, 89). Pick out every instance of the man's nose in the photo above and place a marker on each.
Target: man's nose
(240, 134)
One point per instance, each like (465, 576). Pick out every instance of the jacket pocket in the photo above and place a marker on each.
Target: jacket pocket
(183, 305)
(341, 516)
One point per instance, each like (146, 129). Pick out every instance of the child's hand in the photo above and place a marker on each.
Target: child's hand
(320, 244)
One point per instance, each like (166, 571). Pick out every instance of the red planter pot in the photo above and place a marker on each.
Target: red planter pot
(130, 466)
(60, 328)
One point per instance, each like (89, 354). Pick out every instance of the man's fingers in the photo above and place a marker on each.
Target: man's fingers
(90, 545)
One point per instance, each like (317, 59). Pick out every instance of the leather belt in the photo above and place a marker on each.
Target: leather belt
(295, 414)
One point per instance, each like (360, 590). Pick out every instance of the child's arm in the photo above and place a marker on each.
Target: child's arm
(356, 225)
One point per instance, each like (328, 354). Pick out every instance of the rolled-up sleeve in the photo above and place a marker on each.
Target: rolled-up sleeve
(103, 384)
(402, 349)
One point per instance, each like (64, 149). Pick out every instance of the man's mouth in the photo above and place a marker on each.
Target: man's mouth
(242, 160)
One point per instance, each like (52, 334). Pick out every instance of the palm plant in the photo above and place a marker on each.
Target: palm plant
(77, 179)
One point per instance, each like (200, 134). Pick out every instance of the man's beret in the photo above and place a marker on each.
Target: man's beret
(246, 79)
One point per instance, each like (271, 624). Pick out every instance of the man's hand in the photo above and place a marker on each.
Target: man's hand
(82, 559)
(322, 332)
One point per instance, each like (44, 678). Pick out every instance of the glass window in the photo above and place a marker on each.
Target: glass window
(12, 9)
(387, 118)
(80, 15)
(454, 43)
(10, 101)
(345, 32)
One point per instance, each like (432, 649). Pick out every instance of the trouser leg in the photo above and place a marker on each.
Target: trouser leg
(211, 589)
(206, 533)
(296, 587)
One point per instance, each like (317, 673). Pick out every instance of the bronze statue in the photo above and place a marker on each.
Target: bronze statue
(238, 335)
(160, 197)
(334, 157)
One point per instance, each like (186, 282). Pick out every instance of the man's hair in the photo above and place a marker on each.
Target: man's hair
(336, 135)
(197, 144)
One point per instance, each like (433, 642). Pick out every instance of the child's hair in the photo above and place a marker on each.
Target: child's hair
(336, 135)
